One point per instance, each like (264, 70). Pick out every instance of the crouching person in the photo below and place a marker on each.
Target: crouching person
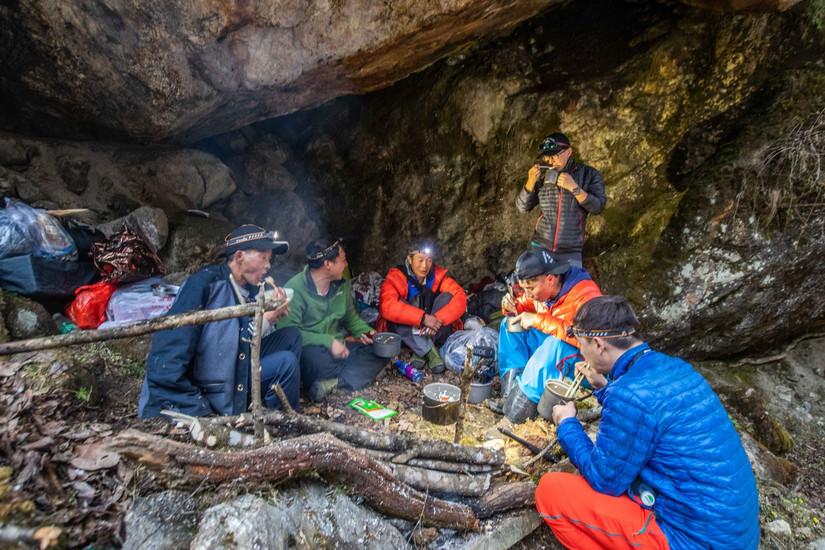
(534, 345)
(667, 469)
(205, 369)
(337, 342)
(422, 303)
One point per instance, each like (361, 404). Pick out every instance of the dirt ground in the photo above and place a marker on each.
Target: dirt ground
(58, 410)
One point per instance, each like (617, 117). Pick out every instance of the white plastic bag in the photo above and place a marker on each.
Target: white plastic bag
(454, 350)
(137, 302)
(33, 230)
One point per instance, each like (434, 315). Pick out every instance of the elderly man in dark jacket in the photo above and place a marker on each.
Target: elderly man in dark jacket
(205, 369)
(566, 192)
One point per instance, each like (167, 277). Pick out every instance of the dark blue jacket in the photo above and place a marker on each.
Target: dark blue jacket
(663, 424)
(200, 369)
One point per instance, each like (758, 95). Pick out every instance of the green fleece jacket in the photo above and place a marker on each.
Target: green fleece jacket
(321, 319)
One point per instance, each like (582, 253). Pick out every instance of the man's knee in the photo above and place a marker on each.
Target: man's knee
(292, 340)
(556, 488)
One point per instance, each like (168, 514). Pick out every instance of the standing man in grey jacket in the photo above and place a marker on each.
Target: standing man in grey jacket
(566, 192)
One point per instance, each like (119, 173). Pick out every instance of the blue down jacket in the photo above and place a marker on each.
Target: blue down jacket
(663, 424)
(200, 369)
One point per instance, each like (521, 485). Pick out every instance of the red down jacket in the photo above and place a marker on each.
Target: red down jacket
(393, 306)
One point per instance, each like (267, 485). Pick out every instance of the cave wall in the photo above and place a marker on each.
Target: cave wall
(691, 116)
(676, 107)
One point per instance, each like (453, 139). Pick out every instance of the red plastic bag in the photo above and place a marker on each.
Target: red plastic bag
(88, 309)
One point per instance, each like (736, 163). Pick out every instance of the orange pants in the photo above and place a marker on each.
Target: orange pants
(581, 517)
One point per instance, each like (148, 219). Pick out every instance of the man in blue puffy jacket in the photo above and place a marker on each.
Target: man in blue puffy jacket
(667, 469)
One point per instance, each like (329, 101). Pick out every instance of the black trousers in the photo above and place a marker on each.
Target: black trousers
(353, 373)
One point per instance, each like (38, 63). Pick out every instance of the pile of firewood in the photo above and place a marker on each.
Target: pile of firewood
(395, 474)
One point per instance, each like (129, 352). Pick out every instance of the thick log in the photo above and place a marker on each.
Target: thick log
(137, 329)
(441, 450)
(432, 464)
(332, 459)
(434, 481)
(506, 496)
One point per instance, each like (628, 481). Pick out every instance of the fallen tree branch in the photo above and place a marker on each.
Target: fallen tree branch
(331, 458)
(506, 496)
(285, 424)
(434, 481)
(432, 464)
(137, 329)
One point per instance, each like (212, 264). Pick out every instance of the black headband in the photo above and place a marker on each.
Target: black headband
(572, 332)
(323, 253)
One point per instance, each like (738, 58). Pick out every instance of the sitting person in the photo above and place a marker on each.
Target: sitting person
(667, 469)
(205, 369)
(421, 303)
(538, 348)
(337, 350)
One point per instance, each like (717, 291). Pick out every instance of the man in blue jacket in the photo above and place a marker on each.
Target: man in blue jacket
(667, 469)
(205, 369)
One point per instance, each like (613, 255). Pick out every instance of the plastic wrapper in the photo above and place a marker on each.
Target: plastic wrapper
(27, 230)
(138, 301)
(454, 350)
(88, 309)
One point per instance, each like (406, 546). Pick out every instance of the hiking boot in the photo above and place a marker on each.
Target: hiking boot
(321, 388)
(434, 361)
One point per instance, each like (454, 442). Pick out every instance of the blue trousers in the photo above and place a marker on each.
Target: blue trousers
(280, 363)
(542, 357)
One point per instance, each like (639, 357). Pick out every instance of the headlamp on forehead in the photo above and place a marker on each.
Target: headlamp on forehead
(426, 248)
(573, 332)
(329, 253)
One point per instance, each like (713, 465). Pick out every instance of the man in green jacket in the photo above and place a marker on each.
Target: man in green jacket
(337, 348)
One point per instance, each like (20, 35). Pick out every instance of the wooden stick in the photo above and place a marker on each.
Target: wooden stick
(285, 404)
(466, 378)
(442, 482)
(332, 459)
(137, 329)
(67, 212)
(507, 496)
(255, 360)
(433, 464)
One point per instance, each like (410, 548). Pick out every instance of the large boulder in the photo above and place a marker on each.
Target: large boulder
(199, 68)
(25, 318)
(307, 516)
(163, 521)
(109, 179)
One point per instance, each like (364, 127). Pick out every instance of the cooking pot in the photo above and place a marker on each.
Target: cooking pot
(386, 344)
(441, 403)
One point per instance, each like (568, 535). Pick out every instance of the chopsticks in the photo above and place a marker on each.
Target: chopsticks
(574, 387)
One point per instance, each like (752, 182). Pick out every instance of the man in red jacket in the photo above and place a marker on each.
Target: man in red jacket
(421, 303)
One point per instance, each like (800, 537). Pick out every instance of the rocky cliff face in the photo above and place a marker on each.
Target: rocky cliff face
(681, 110)
(714, 220)
(180, 71)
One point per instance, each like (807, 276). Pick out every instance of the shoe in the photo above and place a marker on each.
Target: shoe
(321, 388)
(434, 361)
